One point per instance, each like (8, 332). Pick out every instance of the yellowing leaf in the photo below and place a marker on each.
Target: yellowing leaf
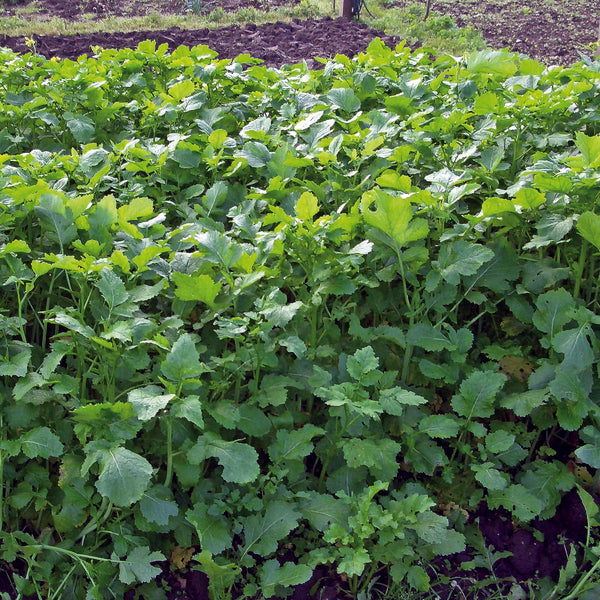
(138, 207)
(181, 90)
(588, 226)
(196, 287)
(393, 216)
(180, 557)
(589, 146)
(307, 207)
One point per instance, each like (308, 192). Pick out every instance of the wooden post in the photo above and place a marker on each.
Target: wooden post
(346, 9)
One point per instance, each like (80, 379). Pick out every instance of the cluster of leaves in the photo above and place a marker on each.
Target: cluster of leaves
(282, 316)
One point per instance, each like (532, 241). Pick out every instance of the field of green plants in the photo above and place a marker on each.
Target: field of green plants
(254, 322)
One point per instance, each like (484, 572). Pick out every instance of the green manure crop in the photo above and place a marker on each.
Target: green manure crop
(277, 318)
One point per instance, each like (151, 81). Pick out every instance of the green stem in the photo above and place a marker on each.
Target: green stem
(408, 349)
(20, 312)
(574, 595)
(407, 356)
(2, 477)
(101, 516)
(169, 475)
(579, 268)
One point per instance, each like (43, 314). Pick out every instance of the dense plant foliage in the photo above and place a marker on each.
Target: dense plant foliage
(277, 319)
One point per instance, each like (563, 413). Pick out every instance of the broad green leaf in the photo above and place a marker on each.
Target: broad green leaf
(574, 344)
(551, 228)
(378, 455)
(439, 426)
(201, 288)
(588, 226)
(41, 443)
(293, 344)
(489, 477)
(213, 529)
(571, 385)
(57, 218)
(589, 453)
(394, 400)
(589, 504)
(148, 401)
(17, 365)
(138, 565)
(157, 505)
(361, 363)
(322, 510)
(449, 542)
(499, 441)
(393, 216)
(551, 182)
(449, 372)
(280, 315)
(256, 154)
(353, 560)
(294, 444)
(492, 62)
(183, 361)
(589, 146)
(273, 390)
(215, 196)
(104, 214)
(124, 476)
(286, 575)
(487, 103)
(190, 409)
(497, 274)
(524, 505)
(523, 403)
(395, 181)
(461, 258)
(262, 533)
(477, 394)
(112, 288)
(221, 575)
(253, 421)
(429, 338)
(430, 527)
(490, 160)
(81, 126)
(554, 311)
(541, 274)
(548, 481)
(239, 460)
(219, 248)
(344, 98)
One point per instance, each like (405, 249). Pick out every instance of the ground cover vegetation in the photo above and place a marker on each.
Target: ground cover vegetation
(277, 326)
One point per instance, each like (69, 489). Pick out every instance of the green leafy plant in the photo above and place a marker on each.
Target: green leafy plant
(277, 321)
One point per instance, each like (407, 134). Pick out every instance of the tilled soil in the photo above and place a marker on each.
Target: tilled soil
(274, 43)
(553, 31)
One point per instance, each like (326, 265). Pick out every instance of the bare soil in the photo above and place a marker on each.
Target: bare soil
(553, 31)
(275, 43)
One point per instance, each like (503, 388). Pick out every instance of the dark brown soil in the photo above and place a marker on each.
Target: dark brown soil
(553, 31)
(275, 43)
